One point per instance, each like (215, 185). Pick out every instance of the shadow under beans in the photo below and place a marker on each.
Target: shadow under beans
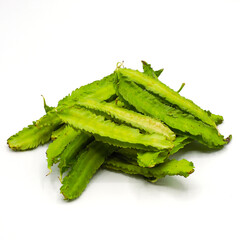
(173, 182)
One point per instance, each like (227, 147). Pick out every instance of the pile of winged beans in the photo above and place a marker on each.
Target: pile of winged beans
(127, 122)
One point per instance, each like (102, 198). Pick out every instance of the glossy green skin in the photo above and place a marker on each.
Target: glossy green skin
(101, 90)
(69, 154)
(165, 92)
(36, 134)
(88, 162)
(170, 168)
(57, 147)
(150, 159)
(121, 144)
(130, 117)
(174, 118)
(57, 133)
(83, 119)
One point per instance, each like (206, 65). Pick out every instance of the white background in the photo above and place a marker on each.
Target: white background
(52, 47)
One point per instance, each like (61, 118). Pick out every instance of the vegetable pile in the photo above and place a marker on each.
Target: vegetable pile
(128, 122)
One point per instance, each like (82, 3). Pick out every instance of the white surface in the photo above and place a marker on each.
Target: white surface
(52, 47)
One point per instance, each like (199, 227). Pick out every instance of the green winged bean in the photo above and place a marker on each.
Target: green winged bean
(165, 92)
(172, 117)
